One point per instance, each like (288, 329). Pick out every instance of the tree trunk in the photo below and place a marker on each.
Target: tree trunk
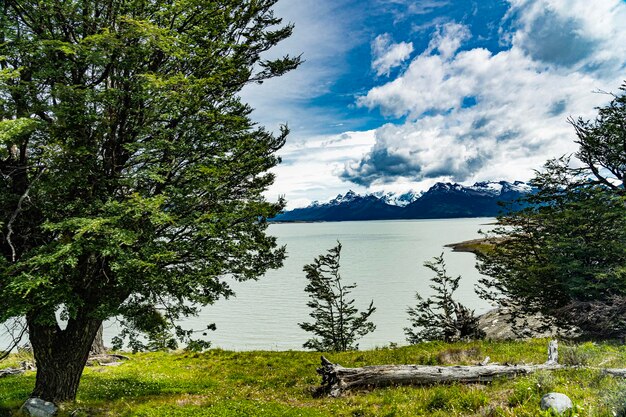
(61, 356)
(336, 379)
(97, 347)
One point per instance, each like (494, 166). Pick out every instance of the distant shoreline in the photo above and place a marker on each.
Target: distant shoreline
(474, 245)
(271, 221)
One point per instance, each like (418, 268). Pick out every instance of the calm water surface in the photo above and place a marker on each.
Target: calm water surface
(384, 259)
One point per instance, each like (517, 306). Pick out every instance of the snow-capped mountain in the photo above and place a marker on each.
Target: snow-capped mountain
(442, 200)
(343, 199)
(397, 199)
(498, 188)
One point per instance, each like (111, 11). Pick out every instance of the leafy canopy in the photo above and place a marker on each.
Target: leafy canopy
(131, 174)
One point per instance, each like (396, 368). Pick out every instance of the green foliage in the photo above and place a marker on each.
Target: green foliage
(131, 171)
(441, 317)
(614, 399)
(565, 254)
(337, 323)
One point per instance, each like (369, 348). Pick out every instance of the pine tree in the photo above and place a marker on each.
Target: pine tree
(441, 317)
(337, 323)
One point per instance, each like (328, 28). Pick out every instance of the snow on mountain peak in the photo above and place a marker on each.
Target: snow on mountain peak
(346, 198)
(403, 199)
(484, 187)
(489, 187)
(397, 199)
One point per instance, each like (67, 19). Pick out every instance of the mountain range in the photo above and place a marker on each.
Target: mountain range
(442, 200)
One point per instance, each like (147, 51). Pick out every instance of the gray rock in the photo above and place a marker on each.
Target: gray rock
(36, 407)
(557, 402)
(499, 324)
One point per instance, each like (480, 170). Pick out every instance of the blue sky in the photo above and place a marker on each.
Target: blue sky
(398, 94)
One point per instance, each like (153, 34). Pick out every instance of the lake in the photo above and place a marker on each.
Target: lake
(384, 258)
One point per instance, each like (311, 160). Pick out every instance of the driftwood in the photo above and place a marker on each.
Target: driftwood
(24, 366)
(10, 371)
(94, 360)
(621, 373)
(106, 360)
(336, 379)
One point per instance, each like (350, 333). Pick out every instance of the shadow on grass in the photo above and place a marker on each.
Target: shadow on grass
(98, 389)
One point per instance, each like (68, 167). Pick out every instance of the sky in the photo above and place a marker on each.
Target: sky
(396, 95)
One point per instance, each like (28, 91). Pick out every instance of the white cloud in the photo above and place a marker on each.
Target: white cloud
(388, 55)
(580, 34)
(448, 39)
(323, 38)
(311, 167)
(478, 115)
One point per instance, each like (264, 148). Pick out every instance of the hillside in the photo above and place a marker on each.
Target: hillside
(443, 200)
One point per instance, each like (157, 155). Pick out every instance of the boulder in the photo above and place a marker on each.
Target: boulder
(36, 407)
(503, 324)
(557, 402)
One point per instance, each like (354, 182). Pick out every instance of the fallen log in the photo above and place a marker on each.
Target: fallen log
(106, 359)
(10, 371)
(620, 373)
(336, 379)
(24, 366)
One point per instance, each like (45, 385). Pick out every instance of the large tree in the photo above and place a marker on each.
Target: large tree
(131, 173)
(565, 254)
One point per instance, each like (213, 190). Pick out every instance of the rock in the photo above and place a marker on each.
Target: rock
(36, 407)
(557, 402)
(499, 324)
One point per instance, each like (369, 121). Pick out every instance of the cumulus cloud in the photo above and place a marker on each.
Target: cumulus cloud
(472, 114)
(388, 55)
(577, 34)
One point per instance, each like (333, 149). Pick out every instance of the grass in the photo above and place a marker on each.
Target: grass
(224, 383)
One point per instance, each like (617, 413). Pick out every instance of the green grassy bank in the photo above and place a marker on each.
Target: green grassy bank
(222, 383)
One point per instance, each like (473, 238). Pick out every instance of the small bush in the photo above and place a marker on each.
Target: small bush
(441, 317)
(574, 356)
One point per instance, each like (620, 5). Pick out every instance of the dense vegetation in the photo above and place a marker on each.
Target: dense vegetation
(565, 254)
